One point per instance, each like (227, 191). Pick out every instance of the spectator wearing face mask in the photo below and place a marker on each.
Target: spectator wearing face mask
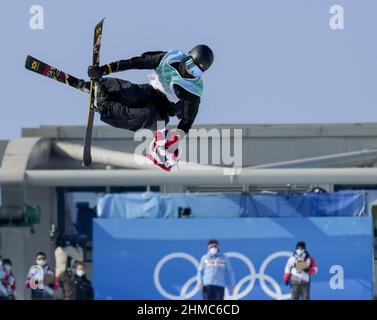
(83, 286)
(215, 273)
(2, 288)
(8, 281)
(298, 270)
(50, 283)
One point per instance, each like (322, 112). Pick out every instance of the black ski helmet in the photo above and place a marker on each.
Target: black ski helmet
(202, 56)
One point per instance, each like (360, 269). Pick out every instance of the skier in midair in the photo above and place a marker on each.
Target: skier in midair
(175, 89)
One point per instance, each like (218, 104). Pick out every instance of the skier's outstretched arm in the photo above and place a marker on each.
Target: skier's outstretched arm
(189, 109)
(148, 60)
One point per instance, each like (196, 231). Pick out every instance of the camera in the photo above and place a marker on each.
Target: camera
(184, 212)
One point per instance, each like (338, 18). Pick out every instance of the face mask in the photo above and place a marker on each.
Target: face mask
(213, 251)
(300, 251)
(7, 268)
(41, 262)
(193, 69)
(80, 273)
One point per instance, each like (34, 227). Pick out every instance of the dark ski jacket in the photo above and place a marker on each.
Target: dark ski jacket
(84, 289)
(186, 108)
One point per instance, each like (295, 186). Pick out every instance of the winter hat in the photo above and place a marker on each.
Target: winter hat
(213, 241)
(301, 244)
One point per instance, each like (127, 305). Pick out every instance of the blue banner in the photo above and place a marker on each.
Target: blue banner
(158, 258)
(157, 205)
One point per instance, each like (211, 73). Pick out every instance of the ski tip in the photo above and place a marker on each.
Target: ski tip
(86, 164)
(28, 60)
(87, 160)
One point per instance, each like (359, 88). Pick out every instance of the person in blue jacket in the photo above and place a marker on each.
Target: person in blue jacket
(215, 273)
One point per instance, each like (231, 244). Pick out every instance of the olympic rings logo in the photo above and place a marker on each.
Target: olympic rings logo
(251, 278)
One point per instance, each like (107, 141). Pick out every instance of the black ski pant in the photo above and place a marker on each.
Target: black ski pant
(211, 292)
(126, 105)
(300, 290)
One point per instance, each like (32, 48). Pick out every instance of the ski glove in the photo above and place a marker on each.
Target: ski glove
(98, 72)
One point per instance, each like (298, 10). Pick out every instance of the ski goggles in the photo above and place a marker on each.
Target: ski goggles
(193, 69)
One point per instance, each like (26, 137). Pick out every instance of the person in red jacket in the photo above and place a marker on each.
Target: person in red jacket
(298, 270)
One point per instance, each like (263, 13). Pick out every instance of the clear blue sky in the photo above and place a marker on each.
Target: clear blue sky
(276, 61)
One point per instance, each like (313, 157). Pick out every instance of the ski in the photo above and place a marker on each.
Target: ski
(53, 73)
(87, 158)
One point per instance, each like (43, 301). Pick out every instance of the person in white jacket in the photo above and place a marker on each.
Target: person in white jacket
(300, 266)
(46, 291)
